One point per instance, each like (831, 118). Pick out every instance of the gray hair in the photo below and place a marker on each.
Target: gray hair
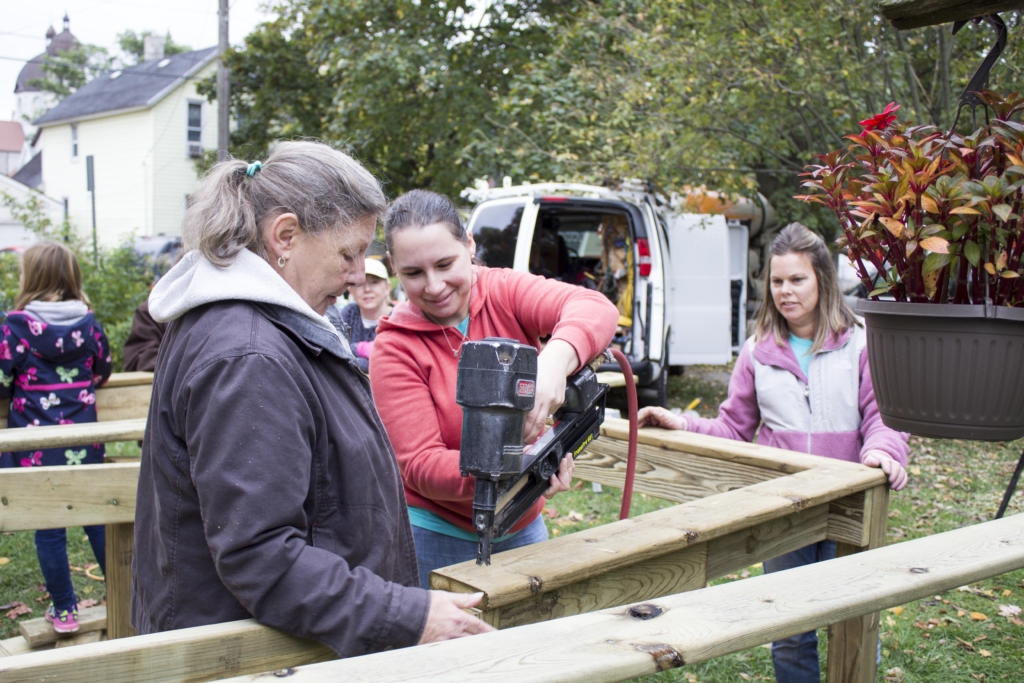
(324, 188)
(834, 315)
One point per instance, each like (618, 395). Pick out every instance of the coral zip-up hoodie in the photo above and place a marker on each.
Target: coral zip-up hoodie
(413, 373)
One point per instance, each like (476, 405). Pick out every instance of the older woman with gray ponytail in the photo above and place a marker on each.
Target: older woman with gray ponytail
(268, 487)
(802, 383)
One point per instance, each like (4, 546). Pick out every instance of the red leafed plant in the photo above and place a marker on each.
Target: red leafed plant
(927, 216)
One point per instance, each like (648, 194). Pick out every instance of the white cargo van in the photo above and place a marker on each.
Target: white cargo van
(678, 279)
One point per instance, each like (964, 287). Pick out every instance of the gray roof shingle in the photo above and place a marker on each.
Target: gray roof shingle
(134, 87)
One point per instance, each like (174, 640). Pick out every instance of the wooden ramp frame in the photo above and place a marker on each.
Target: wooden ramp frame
(609, 645)
(739, 504)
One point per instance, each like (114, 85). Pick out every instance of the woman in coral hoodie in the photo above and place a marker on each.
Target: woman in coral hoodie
(414, 366)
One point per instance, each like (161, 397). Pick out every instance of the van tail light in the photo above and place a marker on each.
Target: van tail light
(644, 249)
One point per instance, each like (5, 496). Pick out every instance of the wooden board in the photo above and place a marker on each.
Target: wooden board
(80, 639)
(663, 473)
(120, 550)
(125, 396)
(60, 436)
(853, 644)
(518, 574)
(14, 646)
(195, 654)
(776, 459)
(611, 645)
(907, 14)
(39, 632)
(53, 497)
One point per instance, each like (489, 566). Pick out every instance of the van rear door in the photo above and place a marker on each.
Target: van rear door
(700, 296)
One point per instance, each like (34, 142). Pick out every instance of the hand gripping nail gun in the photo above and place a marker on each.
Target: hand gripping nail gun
(496, 385)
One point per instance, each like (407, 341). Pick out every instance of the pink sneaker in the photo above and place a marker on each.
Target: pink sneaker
(65, 621)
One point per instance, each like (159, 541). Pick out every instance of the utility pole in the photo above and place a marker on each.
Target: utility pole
(223, 86)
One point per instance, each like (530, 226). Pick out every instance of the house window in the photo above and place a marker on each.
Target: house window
(195, 129)
(74, 140)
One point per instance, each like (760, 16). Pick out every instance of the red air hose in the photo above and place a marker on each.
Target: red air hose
(631, 406)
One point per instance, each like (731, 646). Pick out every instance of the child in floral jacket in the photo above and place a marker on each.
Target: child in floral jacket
(53, 355)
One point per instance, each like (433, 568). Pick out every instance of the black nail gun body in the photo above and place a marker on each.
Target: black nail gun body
(496, 385)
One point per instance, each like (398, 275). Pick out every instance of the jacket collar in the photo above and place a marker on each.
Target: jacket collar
(768, 352)
(314, 336)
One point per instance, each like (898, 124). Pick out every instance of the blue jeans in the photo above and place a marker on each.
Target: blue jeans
(52, 550)
(434, 550)
(796, 658)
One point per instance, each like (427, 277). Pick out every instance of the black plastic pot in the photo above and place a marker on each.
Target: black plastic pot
(947, 371)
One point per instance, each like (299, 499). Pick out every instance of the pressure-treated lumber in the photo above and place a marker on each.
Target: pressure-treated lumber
(776, 459)
(188, 655)
(80, 639)
(663, 473)
(60, 436)
(53, 497)
(519, 574)
(39, 632)
(907, 14)
(125, 396)
(853, 644)
(612, 645)
(120, 550)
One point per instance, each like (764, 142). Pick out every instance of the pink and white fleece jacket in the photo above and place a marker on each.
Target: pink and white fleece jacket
(832, 413)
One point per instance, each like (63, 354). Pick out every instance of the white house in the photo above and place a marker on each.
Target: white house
(144, 126)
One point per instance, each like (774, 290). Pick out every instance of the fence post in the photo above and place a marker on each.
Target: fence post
(853, 644)
(120, 549)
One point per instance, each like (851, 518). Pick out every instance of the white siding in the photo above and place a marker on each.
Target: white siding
(174, 171)
(119, 145)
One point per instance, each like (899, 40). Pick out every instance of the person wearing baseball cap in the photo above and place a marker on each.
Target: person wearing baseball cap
(372, 301)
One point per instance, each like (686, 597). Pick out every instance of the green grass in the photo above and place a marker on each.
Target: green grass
(952, 484)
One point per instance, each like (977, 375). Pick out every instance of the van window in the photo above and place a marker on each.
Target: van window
(495, 230)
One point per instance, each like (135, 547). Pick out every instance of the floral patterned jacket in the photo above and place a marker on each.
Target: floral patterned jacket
(50, 373)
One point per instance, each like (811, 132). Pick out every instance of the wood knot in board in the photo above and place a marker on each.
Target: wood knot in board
(665, 656)
(645, 611)
(536, 584)
(284, 673)
(799, 502)
(690, 535)
(4, 500)
(918, 570)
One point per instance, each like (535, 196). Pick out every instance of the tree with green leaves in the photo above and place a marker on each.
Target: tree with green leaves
(70, 70)
(737, 95)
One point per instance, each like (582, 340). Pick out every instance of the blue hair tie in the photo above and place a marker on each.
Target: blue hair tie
(253, 167)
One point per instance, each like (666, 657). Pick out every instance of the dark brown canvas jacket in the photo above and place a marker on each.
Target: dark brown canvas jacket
(287, 503)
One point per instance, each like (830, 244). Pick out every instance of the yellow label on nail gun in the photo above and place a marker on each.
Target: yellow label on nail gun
(586, 442)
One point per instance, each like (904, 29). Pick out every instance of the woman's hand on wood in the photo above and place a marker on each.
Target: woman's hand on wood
(556, 362)
(656, 416)
(561, 479)
(895, 471)
(447, 620)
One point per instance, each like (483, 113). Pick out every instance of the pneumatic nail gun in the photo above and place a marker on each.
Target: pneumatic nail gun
(496, 386)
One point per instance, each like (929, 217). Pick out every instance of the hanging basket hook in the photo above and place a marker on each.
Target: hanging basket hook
(979, 82)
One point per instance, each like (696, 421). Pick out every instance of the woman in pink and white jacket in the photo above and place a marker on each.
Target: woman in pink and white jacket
(803, 378)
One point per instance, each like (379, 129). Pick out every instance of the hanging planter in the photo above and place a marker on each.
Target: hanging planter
(932, 222)
(947, 371)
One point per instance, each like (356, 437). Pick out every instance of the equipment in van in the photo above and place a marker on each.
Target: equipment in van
(676, 268)
(496, 387)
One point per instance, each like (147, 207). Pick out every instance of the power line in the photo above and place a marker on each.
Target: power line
(126, 71)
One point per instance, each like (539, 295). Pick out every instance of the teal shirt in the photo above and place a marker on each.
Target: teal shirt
(802, 351)
(425, 519)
